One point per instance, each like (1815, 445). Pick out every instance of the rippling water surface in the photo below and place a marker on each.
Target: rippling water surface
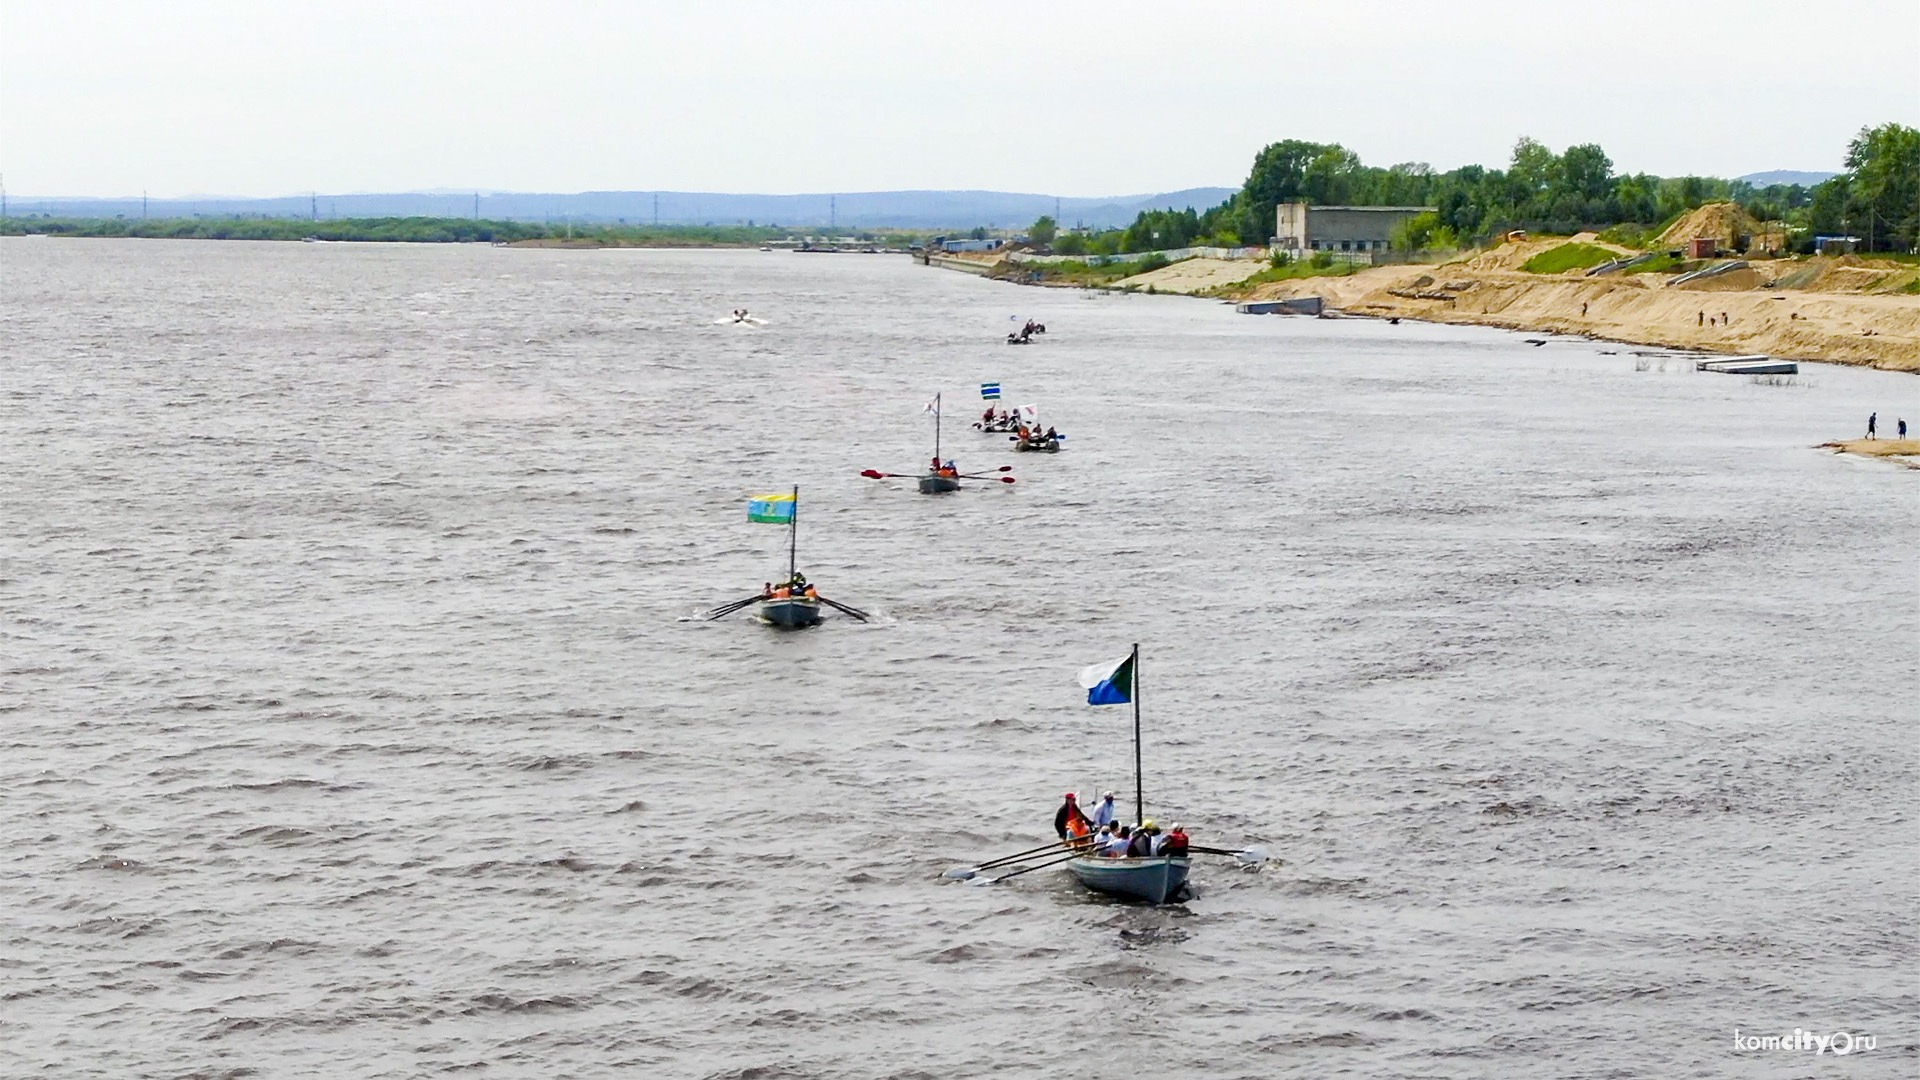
(354, 721)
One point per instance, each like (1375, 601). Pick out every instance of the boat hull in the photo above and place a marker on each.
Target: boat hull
(1049, 446)
(791, 613)
(935, 485)
(1155, 880)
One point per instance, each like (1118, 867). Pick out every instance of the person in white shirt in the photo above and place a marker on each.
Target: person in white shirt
(1104, 813)
(1115, 844)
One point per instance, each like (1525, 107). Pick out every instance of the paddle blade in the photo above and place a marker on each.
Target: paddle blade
(981, 880)
(1252, 856)
(1004, 468)
(1006, 479)
(959, 873)
(873, 474)
(853, 611)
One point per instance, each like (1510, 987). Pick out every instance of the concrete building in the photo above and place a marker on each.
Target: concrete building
(1301, 228)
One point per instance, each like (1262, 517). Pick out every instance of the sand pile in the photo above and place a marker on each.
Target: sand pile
(1724, 221)
(1507, 256)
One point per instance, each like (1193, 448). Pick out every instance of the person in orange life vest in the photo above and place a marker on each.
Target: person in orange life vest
(1068, 820)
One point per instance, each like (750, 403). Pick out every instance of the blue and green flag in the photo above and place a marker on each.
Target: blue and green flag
(771, 509)
(1110, 683)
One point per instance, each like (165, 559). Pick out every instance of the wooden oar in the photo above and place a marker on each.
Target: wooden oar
(1252, 856)
(727, 609)
(986, 476)
(1030, 869)
(874, 474)
(961, 873)
(837, 606)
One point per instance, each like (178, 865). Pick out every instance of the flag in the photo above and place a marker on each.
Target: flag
(1030, 410)
(990, 391)
(1110, 683)
(932, 406)
(771, 509)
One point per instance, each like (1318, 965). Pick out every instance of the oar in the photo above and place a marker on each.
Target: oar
(837, 606)
(986, 476)
(1030, 869)
(961, 873)
(874, 474)
(1252, 856)
(727, 609)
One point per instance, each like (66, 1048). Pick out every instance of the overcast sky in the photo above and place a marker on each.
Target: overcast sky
(1064, 98)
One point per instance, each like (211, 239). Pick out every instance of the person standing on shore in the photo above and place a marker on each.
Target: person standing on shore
(1872, 419)
(1903, 427)
(1701, 319)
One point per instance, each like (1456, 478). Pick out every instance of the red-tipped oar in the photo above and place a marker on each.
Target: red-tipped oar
(986, 476)
(875, 474)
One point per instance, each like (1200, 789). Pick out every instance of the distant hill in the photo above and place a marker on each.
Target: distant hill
(856, 209)
(1786, 176)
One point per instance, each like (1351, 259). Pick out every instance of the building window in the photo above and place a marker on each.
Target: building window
(1346, 245)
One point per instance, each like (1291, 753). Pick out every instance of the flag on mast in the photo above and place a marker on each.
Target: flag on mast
(932, 406)
(772, 509)
(1110, 683)
(990, 391)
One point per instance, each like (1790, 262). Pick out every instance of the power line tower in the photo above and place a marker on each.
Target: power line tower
(476, 206)
(313, 206)
(143, 204)
(656, 208)
(833, 213)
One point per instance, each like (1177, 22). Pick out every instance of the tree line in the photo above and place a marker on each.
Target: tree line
(1877, 198)
(424, 230)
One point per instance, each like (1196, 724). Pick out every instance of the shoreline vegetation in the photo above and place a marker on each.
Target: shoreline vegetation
(431, 230)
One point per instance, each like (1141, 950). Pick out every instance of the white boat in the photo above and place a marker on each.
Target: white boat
(1157, 879)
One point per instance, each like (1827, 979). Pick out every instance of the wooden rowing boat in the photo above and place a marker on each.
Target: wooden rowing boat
(1155, 879)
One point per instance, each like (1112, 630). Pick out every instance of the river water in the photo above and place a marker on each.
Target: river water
(356, 720)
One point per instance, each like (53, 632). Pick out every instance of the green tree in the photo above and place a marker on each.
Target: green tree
(1278, 175)
(1043, 230)
(1883, 171)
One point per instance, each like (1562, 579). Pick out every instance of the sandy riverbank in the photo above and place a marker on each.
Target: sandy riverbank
(1904, 451)
(1880, 330)
(1815, 310)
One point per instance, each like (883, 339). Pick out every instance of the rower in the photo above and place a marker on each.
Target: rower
(1069, 820)
(1141, 844)
(1175, 846)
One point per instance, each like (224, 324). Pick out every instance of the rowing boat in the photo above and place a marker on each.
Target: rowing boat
(1155, 879)
(936, 484)
(791, 612)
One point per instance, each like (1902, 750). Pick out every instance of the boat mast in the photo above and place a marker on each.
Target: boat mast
(1139, 788)
(793, 535)
(936, 432)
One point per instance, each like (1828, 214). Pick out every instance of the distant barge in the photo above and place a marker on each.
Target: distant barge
(1749, 365)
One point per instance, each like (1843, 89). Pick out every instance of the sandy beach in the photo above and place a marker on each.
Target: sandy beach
(1904, 451)
(1842, 310)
